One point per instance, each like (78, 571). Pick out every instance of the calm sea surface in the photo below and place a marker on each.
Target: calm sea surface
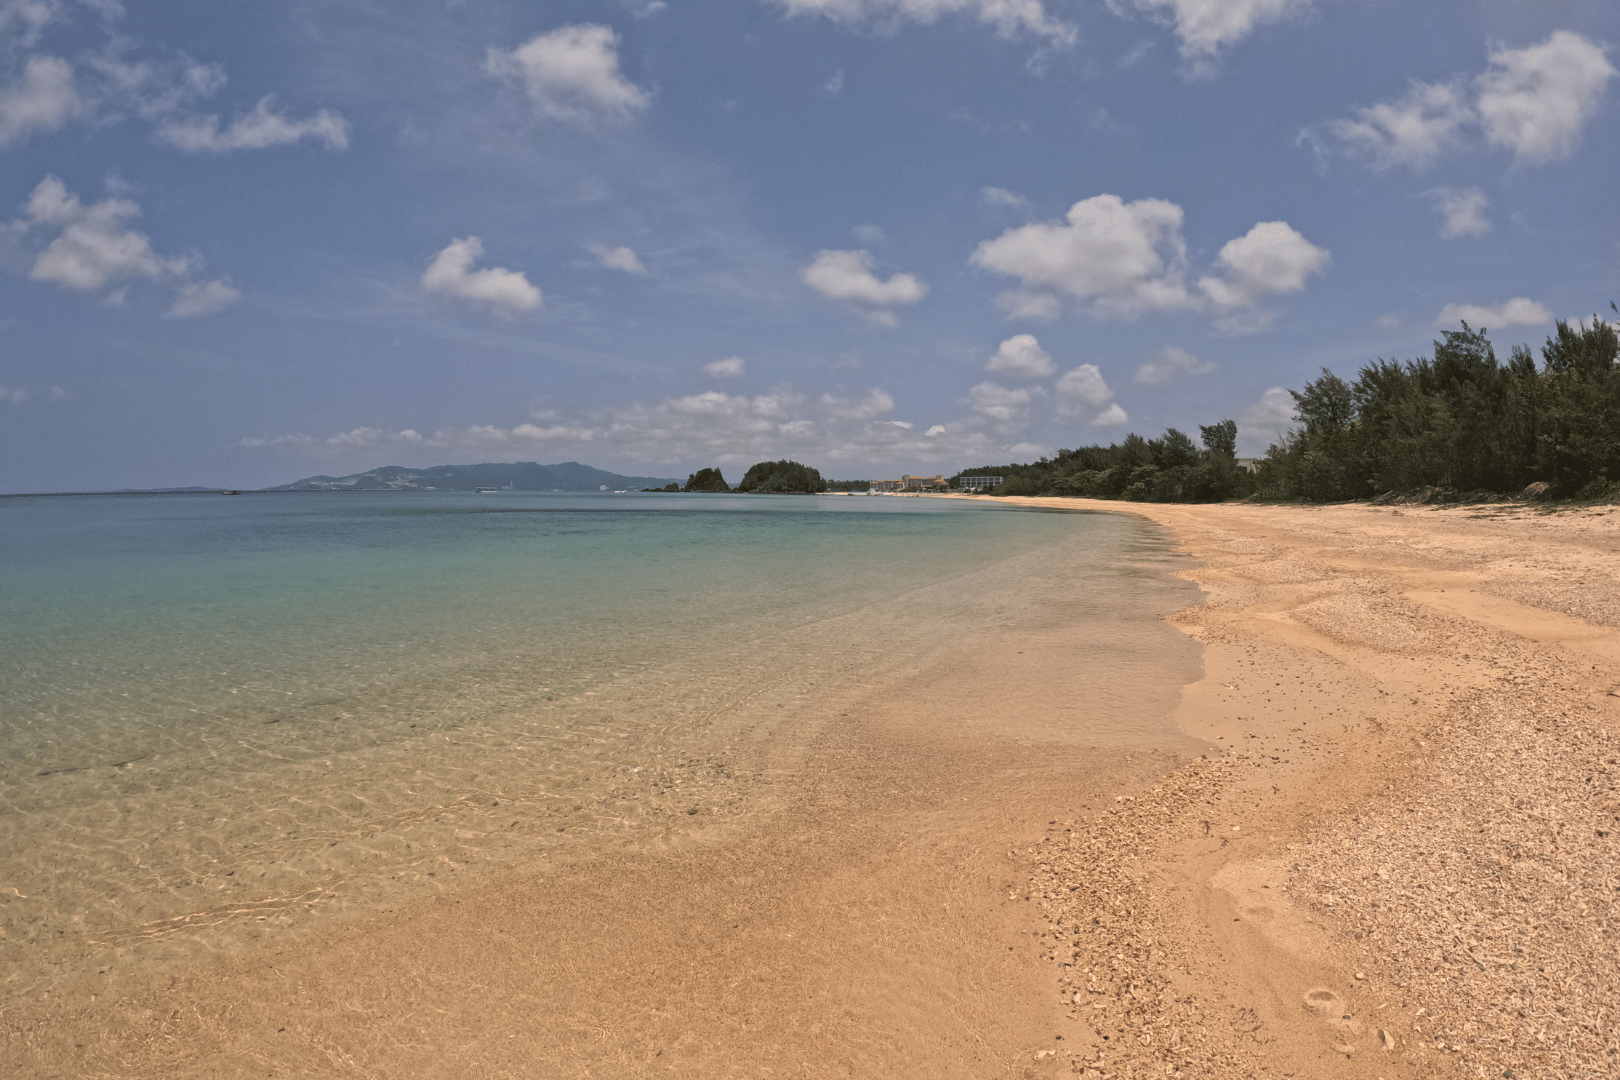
(227, 718)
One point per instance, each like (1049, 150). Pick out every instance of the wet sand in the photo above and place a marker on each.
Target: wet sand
(865, 917)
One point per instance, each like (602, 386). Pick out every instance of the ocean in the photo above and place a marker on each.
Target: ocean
(227, 720)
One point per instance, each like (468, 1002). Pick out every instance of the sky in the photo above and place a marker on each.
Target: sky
(243, 243)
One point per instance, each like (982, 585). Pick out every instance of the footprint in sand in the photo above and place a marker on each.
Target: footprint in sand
(1342, 1027)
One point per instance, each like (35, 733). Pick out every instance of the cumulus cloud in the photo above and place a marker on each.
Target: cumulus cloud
(1083, 390)
(618, 258)
(1022, 356)
(1010, 18)
(681, 432)
(505, 292)
(1115, 258)
(1205, 27)
(203, 298)
(1461, 210)
(1122, 260)
(42, 98)
(732, 367)
(92, 247)
(834, 87)
(260, 129)
(1534, 101)
(1516, 312)
(572, 74)
(123, 77)
(1270, 259)
(849, 276)
(1113, 416)
(1413, 130)
(1265, 421)
(1171, 362)
(999, 403)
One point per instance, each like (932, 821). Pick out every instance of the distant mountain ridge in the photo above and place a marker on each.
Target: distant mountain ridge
(519, 476)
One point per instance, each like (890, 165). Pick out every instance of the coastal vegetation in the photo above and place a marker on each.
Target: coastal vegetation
(1459, 422)
(706, 480)
(782, 478)
(1170, 468)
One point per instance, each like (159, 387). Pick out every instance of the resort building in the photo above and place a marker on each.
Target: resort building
(980, 483)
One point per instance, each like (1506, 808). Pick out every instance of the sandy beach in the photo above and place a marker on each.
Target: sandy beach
(1406, 862)
(1385, 847)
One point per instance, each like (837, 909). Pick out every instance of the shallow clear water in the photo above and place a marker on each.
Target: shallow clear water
(222, 718)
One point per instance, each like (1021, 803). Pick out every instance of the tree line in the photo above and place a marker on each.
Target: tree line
(1460, 420)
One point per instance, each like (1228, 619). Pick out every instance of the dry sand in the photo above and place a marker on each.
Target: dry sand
(1401, 861)
(1407, 861)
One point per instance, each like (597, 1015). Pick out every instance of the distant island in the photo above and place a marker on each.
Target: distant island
(516, 476)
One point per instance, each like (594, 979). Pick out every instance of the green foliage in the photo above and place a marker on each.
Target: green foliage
(1167, 469)
(673, 486)
(782, 478)
(1220, 439)
(706, 480)
(1461, 420)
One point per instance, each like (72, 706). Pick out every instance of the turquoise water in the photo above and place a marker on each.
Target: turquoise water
(224, 718)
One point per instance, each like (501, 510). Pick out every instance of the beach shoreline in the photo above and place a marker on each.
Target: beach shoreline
(1406, 859)
(1383, 843)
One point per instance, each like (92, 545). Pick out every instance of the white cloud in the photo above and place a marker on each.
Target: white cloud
(645, 9)
(1462, 211)
(869, 406)
(260, 129)
(16, 396)
(999, 403)
(203, 298)
(43, 98)
(1413, 130)
(678, 434)
(1084, 389)
(870, 234)
(1171, 362)
(618, 258)
(1122, 260)
(31, 17)
(1205, 27)
(506, 292)
(1117, 259)
(95, 246)
(732, 367)
(1516, 312)
(1113, 416)
(1021, 355)
(1265, 421)
(1001, 198)
(848, 276)
(834, 87)
(1009, 17)
(1270, 259)
(572, 74)
(1536, 100)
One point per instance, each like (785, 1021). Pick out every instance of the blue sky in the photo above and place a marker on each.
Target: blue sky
(242, 243)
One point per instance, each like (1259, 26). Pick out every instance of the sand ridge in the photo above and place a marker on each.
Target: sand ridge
(1405, 863)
